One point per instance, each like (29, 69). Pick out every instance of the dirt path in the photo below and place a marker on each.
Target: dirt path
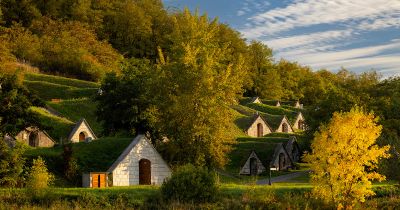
(282, 178)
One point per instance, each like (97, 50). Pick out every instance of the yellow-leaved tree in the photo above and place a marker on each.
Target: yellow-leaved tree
(344, 158)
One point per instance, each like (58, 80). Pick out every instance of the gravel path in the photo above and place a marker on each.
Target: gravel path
(282, 178)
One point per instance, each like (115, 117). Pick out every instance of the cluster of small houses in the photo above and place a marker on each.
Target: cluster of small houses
(140, 163)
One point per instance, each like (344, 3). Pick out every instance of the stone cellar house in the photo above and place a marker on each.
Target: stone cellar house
(139, 164)
(258, 127)
(254, 156)
(299, 122)
(284, 126)
(35, 137)
(81, 132)
(255, 100)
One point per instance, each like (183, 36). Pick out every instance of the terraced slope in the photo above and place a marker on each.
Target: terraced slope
(68, 100)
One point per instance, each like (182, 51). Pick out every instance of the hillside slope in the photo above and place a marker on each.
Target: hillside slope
(68, 100)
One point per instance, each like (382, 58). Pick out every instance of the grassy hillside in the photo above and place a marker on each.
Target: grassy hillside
(97, 155)
(264, 147)
(56, 127)
(76, 109)
(76, 102)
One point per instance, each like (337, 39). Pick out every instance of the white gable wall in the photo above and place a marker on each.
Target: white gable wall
(252, 130)
(296, 123)
(257, 101)
(82, 128)
(126, 173)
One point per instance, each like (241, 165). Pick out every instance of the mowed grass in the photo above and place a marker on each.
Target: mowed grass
(50, 87)
(48, 91)
(57, 127)
(61, 80)
(76, 109)
(77, 102)
(273, 110)
(97, 155)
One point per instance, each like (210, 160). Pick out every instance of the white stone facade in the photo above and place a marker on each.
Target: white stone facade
(299, 119)
(280, 128)
(125, 171)
(81, 126)
(253, 129)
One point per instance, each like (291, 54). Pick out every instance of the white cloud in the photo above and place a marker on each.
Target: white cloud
(313, 39)
(303, 13)
(359, 59)
(337, 26)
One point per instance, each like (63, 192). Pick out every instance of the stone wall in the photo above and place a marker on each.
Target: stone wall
(296, 123)
(275, 161)
(252, 130)
(127, 171)
(245, 170)
(280, 128)
(42, 139)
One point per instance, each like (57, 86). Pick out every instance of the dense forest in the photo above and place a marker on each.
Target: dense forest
(176, 73)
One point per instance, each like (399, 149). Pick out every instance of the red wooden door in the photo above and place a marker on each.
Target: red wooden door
(144, 172)
(82, 137)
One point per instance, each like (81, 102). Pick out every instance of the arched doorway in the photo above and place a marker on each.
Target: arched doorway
(295, 153)
(281, 161)
(301, 125)
(253, 166)
(144, 172)
(82, 137)
(285, 128)
(33, 139)
(260, 130)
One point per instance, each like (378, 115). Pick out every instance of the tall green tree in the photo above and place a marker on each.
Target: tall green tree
(15, 102)
(125, 102)
(11, 164)
(196, 88)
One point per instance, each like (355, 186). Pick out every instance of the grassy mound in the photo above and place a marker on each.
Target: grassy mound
(60, 80)
(56, 127)
(264, 148)
(50, 87)
(76, 109)
(97, 155)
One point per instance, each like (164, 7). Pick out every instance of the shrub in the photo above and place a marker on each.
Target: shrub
(39, 177)
(191, 184)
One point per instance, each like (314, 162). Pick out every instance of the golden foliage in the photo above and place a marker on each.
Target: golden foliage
(344, 158)
(39, 177)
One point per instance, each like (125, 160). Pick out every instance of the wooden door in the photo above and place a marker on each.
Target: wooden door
(253, 166)
(281, 161)
(144, 172)
(260, 130)
(98, 180)
(33, 139)
(285, 128)
(82, 137)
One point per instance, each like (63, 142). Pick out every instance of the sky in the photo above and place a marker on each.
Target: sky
(359, 35)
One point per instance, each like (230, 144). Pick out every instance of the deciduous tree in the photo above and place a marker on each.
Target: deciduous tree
(344, 158)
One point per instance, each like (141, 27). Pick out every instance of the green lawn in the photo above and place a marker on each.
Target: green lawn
(97, 155)
(76, 109)
(60, 80)
(57, 127)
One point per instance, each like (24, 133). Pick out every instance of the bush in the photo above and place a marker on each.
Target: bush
(191, 184)
(39, 177)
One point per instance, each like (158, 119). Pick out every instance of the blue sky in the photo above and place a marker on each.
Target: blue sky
(359, 35)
